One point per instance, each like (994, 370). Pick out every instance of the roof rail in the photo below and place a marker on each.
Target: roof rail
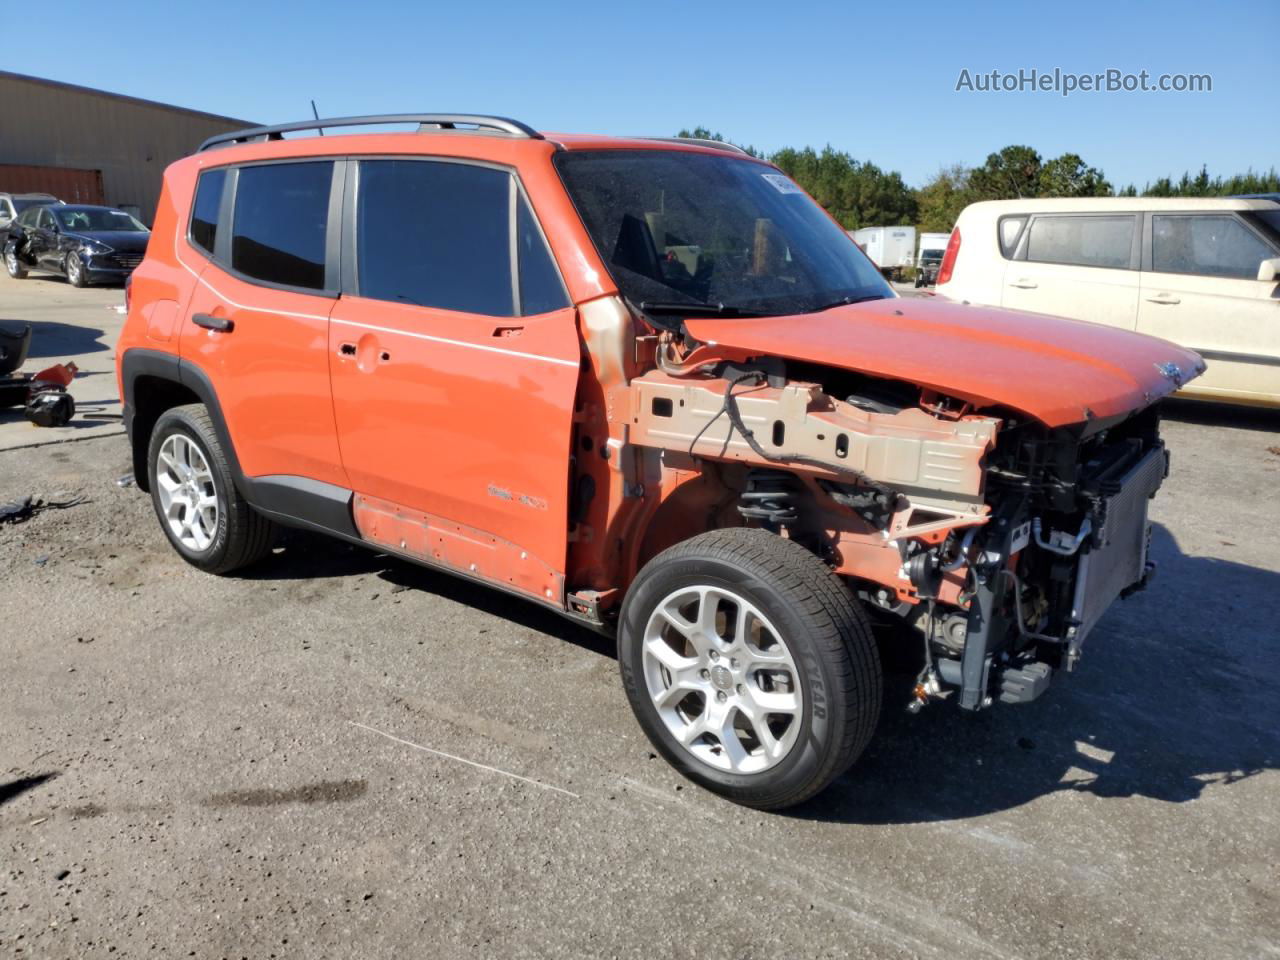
(425, 121)
(724, 145)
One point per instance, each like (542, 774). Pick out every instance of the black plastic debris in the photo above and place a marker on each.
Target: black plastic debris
(18, 511)
(51, 408)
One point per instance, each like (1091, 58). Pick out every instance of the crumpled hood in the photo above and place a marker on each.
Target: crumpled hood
(1057, 370)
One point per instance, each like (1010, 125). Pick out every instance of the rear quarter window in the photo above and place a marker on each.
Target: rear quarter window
(1085, 241)
(1010, 229)
(204, 211)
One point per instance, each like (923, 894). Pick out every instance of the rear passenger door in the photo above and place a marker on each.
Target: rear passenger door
(1200, 289)
(454, 356)
(43, 245)
(257, 321)
(1082, 266)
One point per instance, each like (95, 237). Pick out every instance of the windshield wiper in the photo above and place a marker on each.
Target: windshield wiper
(668, 308)
(845, 301)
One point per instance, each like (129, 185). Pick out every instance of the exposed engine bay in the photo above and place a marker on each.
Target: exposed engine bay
(999, 540)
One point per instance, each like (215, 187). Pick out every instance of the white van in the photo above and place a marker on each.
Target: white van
(1199, 272)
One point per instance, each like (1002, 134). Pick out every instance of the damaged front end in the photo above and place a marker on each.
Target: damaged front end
(999, 539)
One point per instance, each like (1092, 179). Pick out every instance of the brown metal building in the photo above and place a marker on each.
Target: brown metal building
(90, 146)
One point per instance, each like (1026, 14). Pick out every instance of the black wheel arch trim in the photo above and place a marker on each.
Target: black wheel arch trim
(292, 500)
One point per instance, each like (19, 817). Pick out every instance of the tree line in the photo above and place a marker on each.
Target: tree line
(860, 194)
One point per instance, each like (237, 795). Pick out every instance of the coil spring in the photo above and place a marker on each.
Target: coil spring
(771, 497)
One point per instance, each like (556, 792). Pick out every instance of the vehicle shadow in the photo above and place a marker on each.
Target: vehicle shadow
(1169, 699)
(15, 788)
(304, 556)
(1210, 414)
(51, 340)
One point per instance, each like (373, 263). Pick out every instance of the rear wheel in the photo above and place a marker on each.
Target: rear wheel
(13, 264)
(75, 270)
(750, 666)
(195, 498)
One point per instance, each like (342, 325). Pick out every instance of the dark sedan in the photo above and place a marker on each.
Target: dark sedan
(82, 243)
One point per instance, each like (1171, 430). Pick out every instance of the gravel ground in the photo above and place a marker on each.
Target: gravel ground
(230, 767)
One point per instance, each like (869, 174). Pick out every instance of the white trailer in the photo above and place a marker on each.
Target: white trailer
(890, 248)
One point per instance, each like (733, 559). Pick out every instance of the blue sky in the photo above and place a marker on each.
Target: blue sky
(877, 80)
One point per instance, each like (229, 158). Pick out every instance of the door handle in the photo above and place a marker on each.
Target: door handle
(347, 349)
(1163, 298)
(1024, 285)
(210, 322)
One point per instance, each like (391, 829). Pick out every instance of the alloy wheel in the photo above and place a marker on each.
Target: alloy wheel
(722, 679)
(187, 493)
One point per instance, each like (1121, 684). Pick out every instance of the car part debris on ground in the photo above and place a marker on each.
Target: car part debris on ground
(44, 395)
(51, 408)
(23, 509)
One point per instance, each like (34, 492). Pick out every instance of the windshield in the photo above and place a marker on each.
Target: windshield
(930, 255)
(95, 219)
(677, 226)
(22, 203)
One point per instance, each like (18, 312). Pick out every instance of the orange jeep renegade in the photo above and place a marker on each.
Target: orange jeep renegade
(653, 386)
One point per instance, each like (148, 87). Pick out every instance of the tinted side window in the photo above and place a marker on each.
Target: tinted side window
(204, 212)
(1082, 241)
(44, 220)
(541, 290)
(436, 235)
(1217, 246)
(278, 228)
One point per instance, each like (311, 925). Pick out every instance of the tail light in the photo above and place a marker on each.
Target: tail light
(949, 258)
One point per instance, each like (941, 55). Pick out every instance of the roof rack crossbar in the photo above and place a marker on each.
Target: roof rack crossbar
(425, 121)
(724, 145)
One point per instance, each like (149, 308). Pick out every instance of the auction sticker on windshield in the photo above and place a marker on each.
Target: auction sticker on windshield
(782, 184)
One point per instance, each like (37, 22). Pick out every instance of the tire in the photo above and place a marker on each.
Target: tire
(805, 665)
(919, 282)
(195, 498)
(77, 273)
(13, 264)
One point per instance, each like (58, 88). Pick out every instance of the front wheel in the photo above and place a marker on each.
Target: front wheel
(750, 666)
(195, 497)
(13, 264)
(75, 270)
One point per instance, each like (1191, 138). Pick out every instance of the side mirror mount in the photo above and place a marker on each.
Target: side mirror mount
(1268, 269)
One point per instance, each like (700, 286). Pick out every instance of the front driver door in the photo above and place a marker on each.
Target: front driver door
(1201, 290)
(454, 360)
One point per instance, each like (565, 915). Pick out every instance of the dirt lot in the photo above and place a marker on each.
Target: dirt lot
(231, 767)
